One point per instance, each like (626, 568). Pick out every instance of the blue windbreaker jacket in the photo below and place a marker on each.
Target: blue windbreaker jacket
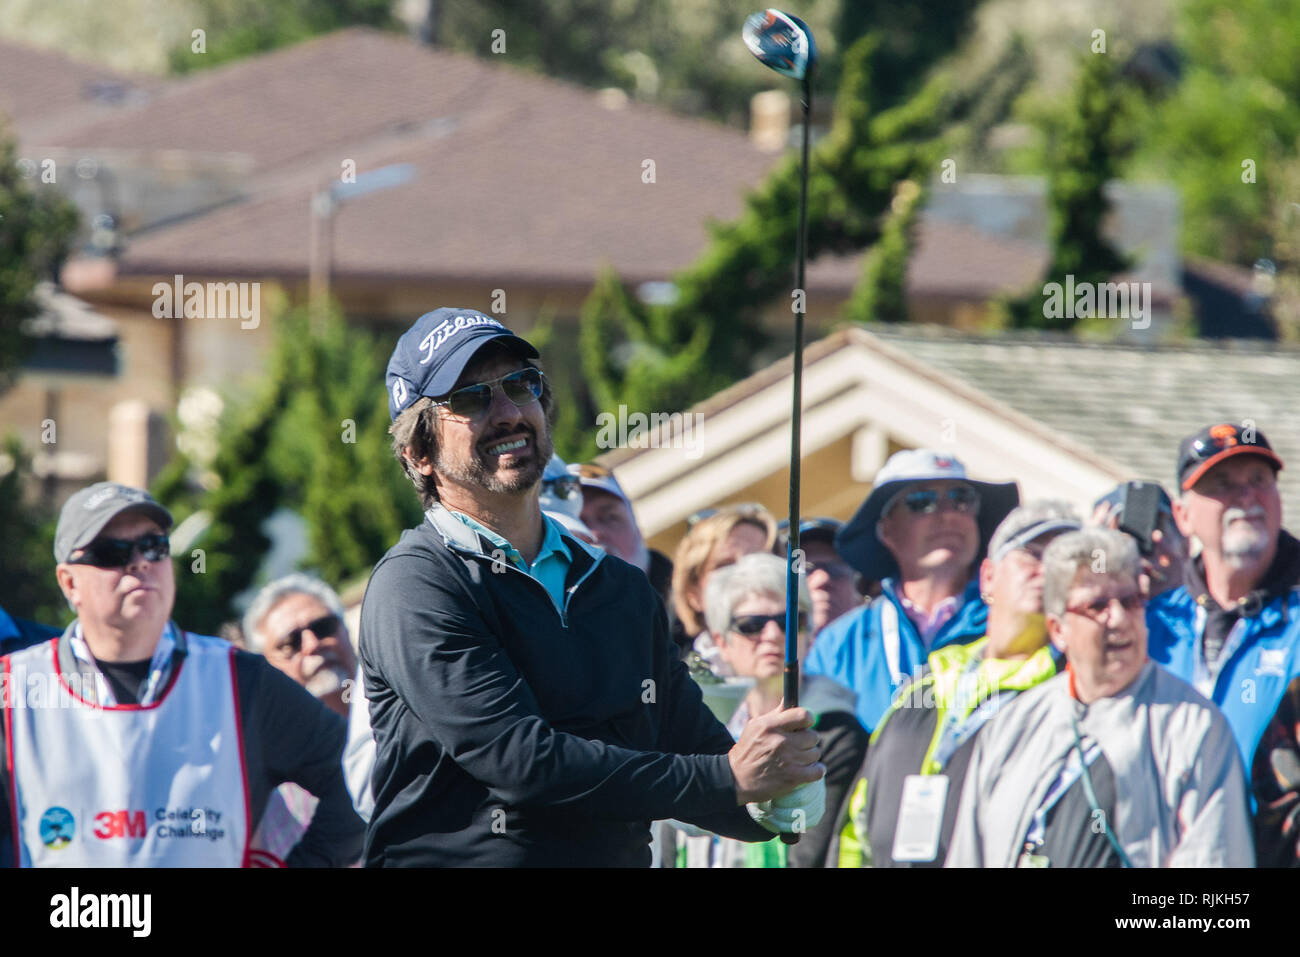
(1259, 658)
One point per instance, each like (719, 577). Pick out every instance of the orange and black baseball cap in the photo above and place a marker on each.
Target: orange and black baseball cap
(1199, 453)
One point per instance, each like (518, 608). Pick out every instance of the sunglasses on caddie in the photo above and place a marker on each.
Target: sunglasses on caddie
(119, 552)
(520, 387)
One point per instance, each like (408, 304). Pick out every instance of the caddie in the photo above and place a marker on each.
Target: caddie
(168, 743)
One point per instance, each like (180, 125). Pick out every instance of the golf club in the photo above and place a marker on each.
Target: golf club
(785, 44)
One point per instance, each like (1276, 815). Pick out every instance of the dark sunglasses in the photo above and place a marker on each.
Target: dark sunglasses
(925, 501)
(291, 644)
(119, 552)
(564, 486)
(752, 626)
(520, 387)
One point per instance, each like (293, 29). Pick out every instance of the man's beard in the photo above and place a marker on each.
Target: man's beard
(326, 678)
(1244, 544)
(476, 471)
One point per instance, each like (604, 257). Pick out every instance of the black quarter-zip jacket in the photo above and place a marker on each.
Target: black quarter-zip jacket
(510, 733)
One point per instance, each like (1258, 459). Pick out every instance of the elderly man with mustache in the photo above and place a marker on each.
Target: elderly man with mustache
(1233, 629)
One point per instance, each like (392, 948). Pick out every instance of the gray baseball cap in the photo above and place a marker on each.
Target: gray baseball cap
(1032, 520)
(86, 513)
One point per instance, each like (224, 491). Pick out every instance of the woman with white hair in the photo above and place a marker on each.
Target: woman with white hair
(745, 614)
(1114, 763)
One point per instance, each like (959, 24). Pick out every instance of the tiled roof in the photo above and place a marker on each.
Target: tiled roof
(516, 175)
(38, 86)
(1129, 403)
(948, 259)
(954, 259)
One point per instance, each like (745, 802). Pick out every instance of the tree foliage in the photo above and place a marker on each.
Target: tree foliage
(881, 296)
(314, 440)
(1237, 102)
(681, 54)
(27, 559)
(332, 449)
(668, 357)
(1087, 148)
(234, 29)
(247, 493)
(36, 231)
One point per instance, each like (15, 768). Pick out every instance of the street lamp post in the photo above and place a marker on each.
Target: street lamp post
(324, 205)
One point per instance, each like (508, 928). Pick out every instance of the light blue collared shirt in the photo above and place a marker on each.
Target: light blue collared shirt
(551, 567)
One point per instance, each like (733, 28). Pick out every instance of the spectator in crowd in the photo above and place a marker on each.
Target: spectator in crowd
(562, 499)
(297, 624)
(920, 532)
(716, 538)
(1116, 762)
(19, 633)
(532, 711)
(923, 743)
(607, 511)
(233, 632)
(181, 736)
(832, 582)
(1231, 630)
(1164, 556)
(1275, 784)
(745, 612)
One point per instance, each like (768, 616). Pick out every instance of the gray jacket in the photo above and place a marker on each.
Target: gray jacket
(1180, 797)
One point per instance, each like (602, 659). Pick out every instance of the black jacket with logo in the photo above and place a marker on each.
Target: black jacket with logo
(510, 733)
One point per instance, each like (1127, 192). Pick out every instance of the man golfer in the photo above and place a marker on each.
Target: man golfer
(527, 705)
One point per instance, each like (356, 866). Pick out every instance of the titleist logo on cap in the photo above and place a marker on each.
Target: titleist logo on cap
(448, 328)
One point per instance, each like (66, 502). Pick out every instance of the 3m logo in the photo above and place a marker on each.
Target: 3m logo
(110, 824)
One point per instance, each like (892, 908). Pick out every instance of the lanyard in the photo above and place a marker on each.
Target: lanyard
(893, 642)
(159, 665)
(958, 729)
(1076, 761)
(1094, 803)
(1205, 678)
(1076, 766)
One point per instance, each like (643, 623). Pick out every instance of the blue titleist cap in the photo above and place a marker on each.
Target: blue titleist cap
(432, 354)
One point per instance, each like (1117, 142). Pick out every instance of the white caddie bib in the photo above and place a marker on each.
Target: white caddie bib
(159, 785)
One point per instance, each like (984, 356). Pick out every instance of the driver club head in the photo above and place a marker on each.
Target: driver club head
(781, 41)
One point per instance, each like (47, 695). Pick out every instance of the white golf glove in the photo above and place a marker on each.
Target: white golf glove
(797, 812)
